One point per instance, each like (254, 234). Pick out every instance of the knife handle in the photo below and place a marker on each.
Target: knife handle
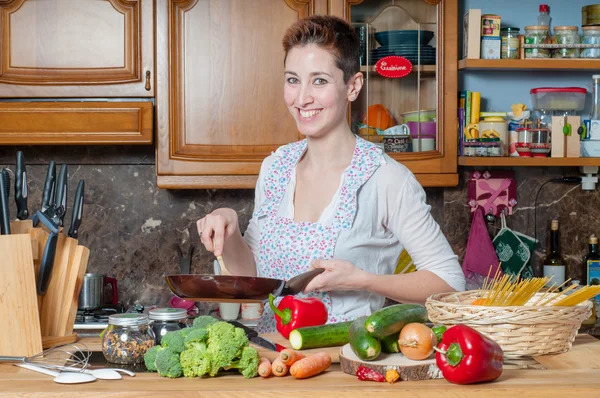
(21, 188)
(77, 210)
(47, 264)
(48, 193)
(60, 200)
(5, 225)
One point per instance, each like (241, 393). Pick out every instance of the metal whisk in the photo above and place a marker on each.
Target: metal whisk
(74, 356)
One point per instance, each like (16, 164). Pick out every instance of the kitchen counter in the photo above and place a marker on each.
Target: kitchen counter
(571, 374)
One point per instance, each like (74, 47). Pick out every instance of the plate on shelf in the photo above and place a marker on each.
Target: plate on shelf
(394, 37)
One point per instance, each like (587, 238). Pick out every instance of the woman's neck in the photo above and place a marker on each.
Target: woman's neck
(333, 151)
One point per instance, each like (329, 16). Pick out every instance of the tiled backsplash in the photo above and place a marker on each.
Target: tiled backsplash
(132, 227)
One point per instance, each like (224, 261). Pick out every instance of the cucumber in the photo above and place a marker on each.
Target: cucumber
(392, 319)
(389, 344)
(365, 347)
(333, 334)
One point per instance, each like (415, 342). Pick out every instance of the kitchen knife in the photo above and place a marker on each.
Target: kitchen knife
(21, 190)
(256, 339)
(47, 222)
(60, 200)
(48, 193)
(47, 263)
(77, 211)
(4, 186)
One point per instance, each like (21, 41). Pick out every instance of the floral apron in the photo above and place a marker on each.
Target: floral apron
(287, 248)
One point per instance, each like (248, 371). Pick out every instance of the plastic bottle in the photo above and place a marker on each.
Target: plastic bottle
(544, 18)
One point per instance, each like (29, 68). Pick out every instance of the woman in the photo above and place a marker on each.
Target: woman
(334, 200)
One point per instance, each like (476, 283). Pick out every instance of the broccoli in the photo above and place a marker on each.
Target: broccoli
(195, 362)
(174, 341)
(196, 338)
(203, 321)
(247, 364)
(167, 363)
(185, 332)
(150, 357)
(225, 344)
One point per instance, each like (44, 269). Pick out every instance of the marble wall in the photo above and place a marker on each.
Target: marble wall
(132, 227)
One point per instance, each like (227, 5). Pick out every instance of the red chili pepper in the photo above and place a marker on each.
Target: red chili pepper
(466, 356)
(364, 373)
(293, 313)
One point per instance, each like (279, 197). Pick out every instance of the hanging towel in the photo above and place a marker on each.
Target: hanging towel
(480, 254)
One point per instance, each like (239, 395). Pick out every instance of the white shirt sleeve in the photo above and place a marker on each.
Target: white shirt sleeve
(411, 222)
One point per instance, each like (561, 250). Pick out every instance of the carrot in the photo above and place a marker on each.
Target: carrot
(289, 357)
(264, 367)
(311, 365)
(279, 368)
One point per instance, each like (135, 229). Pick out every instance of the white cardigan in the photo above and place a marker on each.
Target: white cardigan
(392, 215)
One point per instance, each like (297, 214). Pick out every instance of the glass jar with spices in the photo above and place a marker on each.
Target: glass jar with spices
(167, 320)
(566, 35)
(537, 35)
(510, 43)
(591, 35)
(127, 338)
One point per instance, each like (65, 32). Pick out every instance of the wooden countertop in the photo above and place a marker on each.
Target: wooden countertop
(571, 374)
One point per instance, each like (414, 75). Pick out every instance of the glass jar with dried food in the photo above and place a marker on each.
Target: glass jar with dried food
(566, 35)
(591, 35)
(537, 35)
(510, 43)
(127, 338)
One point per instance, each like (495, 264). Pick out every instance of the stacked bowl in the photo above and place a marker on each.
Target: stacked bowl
(410, 44)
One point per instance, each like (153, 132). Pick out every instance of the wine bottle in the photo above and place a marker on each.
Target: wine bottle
(554, 263)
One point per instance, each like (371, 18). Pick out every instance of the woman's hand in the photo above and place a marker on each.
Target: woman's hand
(215, 228)
(338, 275)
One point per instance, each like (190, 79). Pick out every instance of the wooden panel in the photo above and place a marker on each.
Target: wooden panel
(532, 162)
(36, 123)
(516, 64)
(75, 43)
(217, 112)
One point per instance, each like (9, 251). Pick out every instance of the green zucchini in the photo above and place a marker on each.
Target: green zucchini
(330, 335)
(389, 344)
(365, 347)
(392, 319)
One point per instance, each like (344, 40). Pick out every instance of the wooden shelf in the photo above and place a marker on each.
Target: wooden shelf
(532, 162)
(425, 69)
(542, 64)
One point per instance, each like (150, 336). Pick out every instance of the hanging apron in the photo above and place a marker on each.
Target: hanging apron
(287, 248)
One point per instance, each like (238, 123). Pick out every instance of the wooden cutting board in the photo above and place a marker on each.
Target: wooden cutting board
(334, 352)
(407, 369)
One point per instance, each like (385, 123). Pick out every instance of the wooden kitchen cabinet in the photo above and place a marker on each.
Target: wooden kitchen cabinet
(219, 95)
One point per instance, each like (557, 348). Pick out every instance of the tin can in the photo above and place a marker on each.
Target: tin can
(490, 36)
(590, 15)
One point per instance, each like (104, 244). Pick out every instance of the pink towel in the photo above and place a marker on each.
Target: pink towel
(480, 254)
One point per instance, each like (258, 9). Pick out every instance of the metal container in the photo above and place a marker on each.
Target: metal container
(590, 15)
(92, 291)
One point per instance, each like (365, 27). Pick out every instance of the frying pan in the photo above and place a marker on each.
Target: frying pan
(229, 288)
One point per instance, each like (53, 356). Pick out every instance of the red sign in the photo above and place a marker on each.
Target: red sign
(393, 66)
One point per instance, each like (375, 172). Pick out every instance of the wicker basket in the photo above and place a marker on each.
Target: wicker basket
(523, 331)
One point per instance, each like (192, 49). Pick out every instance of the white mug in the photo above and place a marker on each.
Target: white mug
(229, 311)
(252, 311)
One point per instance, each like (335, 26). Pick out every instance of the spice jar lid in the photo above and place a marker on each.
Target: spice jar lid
(167, 314)
(566, 28)
(128, 319)
(536, 27)
(492, 114)
(510, 29)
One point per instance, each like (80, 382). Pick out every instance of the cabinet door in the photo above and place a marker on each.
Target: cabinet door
(220, 108)
(413, 117)
(76, 48)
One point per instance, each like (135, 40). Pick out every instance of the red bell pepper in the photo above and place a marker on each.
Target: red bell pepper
(293, 313)
(466, 356)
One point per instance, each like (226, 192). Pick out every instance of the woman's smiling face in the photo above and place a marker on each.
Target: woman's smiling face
(315, 92)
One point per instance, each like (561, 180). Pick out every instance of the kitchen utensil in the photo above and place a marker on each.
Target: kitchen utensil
(21, 190)
(185, 261)
(47, 263)
(61, 377)
(100, 373)
(60, 201)
(176, 302)
(4, 187)
(77, 210)
(49, 186)
(75, 356)
(227, 288)
(256, 339)
(92, 291)
(424, 115)
(125, 371)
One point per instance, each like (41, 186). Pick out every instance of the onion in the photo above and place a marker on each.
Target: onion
(416, 341)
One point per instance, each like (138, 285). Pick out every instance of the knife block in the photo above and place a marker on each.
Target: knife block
(19, 313)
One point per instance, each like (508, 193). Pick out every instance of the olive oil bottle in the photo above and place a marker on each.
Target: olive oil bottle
(590, 269)
(554, 263)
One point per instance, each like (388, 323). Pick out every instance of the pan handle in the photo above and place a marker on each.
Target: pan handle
(298, 283)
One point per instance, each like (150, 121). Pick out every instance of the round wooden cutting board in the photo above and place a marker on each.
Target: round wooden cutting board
(406, 368)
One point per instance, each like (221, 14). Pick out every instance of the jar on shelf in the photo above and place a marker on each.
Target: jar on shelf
(167, 320)
(470, 147)
(127, 338)
(494, 125)
(591, 35)
(510, 43)
(566, 35)
(493, 146)
(537, 35)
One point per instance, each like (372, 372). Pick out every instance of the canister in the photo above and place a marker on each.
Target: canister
(514, 123)
(493, 125)
(535, 34)
(591, 35)
(566, 35)
(510, 42)
(590, 15)
(490, 36)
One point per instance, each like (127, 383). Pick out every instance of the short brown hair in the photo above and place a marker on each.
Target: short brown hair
(330, 33)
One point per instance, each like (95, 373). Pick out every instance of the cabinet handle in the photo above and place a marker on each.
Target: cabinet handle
(147, 87)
